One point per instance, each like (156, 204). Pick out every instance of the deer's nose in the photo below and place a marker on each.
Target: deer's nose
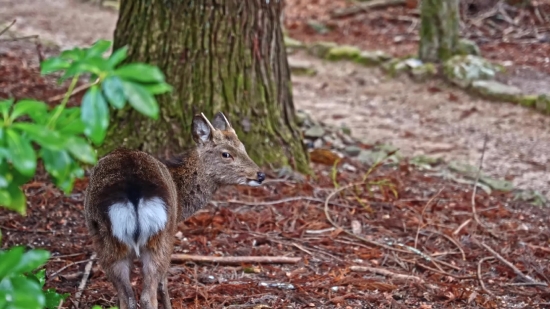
(261, 177)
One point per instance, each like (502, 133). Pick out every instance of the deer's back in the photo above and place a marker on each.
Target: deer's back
(131, 196)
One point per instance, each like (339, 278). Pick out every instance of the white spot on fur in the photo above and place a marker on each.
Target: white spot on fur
(253, 183)
(151, 215)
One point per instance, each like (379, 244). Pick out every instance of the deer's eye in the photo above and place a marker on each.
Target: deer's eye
(226, 155)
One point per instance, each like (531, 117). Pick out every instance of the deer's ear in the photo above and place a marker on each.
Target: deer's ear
(220, 122)
(201, 128)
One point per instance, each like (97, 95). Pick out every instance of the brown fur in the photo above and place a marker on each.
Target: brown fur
(185, 184)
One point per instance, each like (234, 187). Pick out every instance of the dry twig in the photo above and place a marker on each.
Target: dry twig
(422, 216)
(84, 280)
(75, 91)
(385, 272)
(7, 28)
(236, 259)
(365, 6)
(55, 274)
(479, 276)
(518, 272)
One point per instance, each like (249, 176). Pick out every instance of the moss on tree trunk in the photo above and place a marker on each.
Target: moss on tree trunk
(220, 56)
(439, 29)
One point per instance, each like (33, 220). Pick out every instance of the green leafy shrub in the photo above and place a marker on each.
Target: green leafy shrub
(62, 138)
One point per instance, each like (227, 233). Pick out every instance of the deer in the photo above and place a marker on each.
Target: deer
(134, 202)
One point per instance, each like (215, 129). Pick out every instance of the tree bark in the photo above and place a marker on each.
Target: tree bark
(438, 30)
(219, 55)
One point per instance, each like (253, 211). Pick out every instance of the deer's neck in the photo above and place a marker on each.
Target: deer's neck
(195, 188)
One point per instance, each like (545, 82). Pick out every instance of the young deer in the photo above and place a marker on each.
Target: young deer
(134, 202)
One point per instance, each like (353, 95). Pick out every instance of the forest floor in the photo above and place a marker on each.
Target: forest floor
(434, 216)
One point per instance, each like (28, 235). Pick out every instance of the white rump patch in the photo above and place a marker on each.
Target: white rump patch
(151, 217)
(253, 183)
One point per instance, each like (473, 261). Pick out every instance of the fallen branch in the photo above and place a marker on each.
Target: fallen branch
(479, 276)
(75, 91)
(518, 272)
(7, 28)
(365, 6)
(84, 280)
(236, 259)
(385, 272)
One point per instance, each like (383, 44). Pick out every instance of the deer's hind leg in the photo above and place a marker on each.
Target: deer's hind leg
(119, 274)
(155, 263)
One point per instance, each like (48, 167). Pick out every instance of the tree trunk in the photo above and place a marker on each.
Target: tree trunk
(439, 29)
(219, 55)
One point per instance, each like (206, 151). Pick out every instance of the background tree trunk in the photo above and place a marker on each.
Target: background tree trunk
(439, 29)
(219, 55)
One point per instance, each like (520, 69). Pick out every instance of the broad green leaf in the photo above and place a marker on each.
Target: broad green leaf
(73, 54)
(98, 49)
(5, 107)
(22, 153)
(81, 150)
(41, 277)
(70, 122)
(158, 88)
(95, 65)
(5, 198)
(26, 294)
(140, 99)
(140, 72)
(9, 259)
(57, 163)
(5, 175)
(42, 135)
(95, 115)
(112, 88)
(53, 298)
(118, 56)
(54, 64)
(18, 199)
(28, 107)
(31, 260)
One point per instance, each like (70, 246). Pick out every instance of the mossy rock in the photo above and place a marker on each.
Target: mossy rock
(528, 100)
(543, 103)
(293, 44)
(320, 49)
(343, 52)
(372, 58)
(423, 72)
(468, 47)
(298, 67)
(497, 91)
(463, 70)
(395, 67)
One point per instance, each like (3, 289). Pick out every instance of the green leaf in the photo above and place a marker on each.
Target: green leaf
(98, 49)
(57, 163)
(158, 88)
(112, 88)
(31, 260)
(9, 259)
(53, 298)
(40, 276)
(81, 150)
(23, 293)
(73, 54)
(54, 64)
(95, 115)
(118, 56)
(5, 107)
(18, 199)
(22, 153)
(42, 135)
(140, 72)
(70, 122)
(27, 107)
(95, 65)
(140, 99)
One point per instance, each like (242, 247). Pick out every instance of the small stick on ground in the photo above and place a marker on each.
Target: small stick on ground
(479, 276)
(7, 28)
(385, 272)
(236, 259)
(364, 7)
(55, 274)
(84, 280)
(518, 272)
(422, 216)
